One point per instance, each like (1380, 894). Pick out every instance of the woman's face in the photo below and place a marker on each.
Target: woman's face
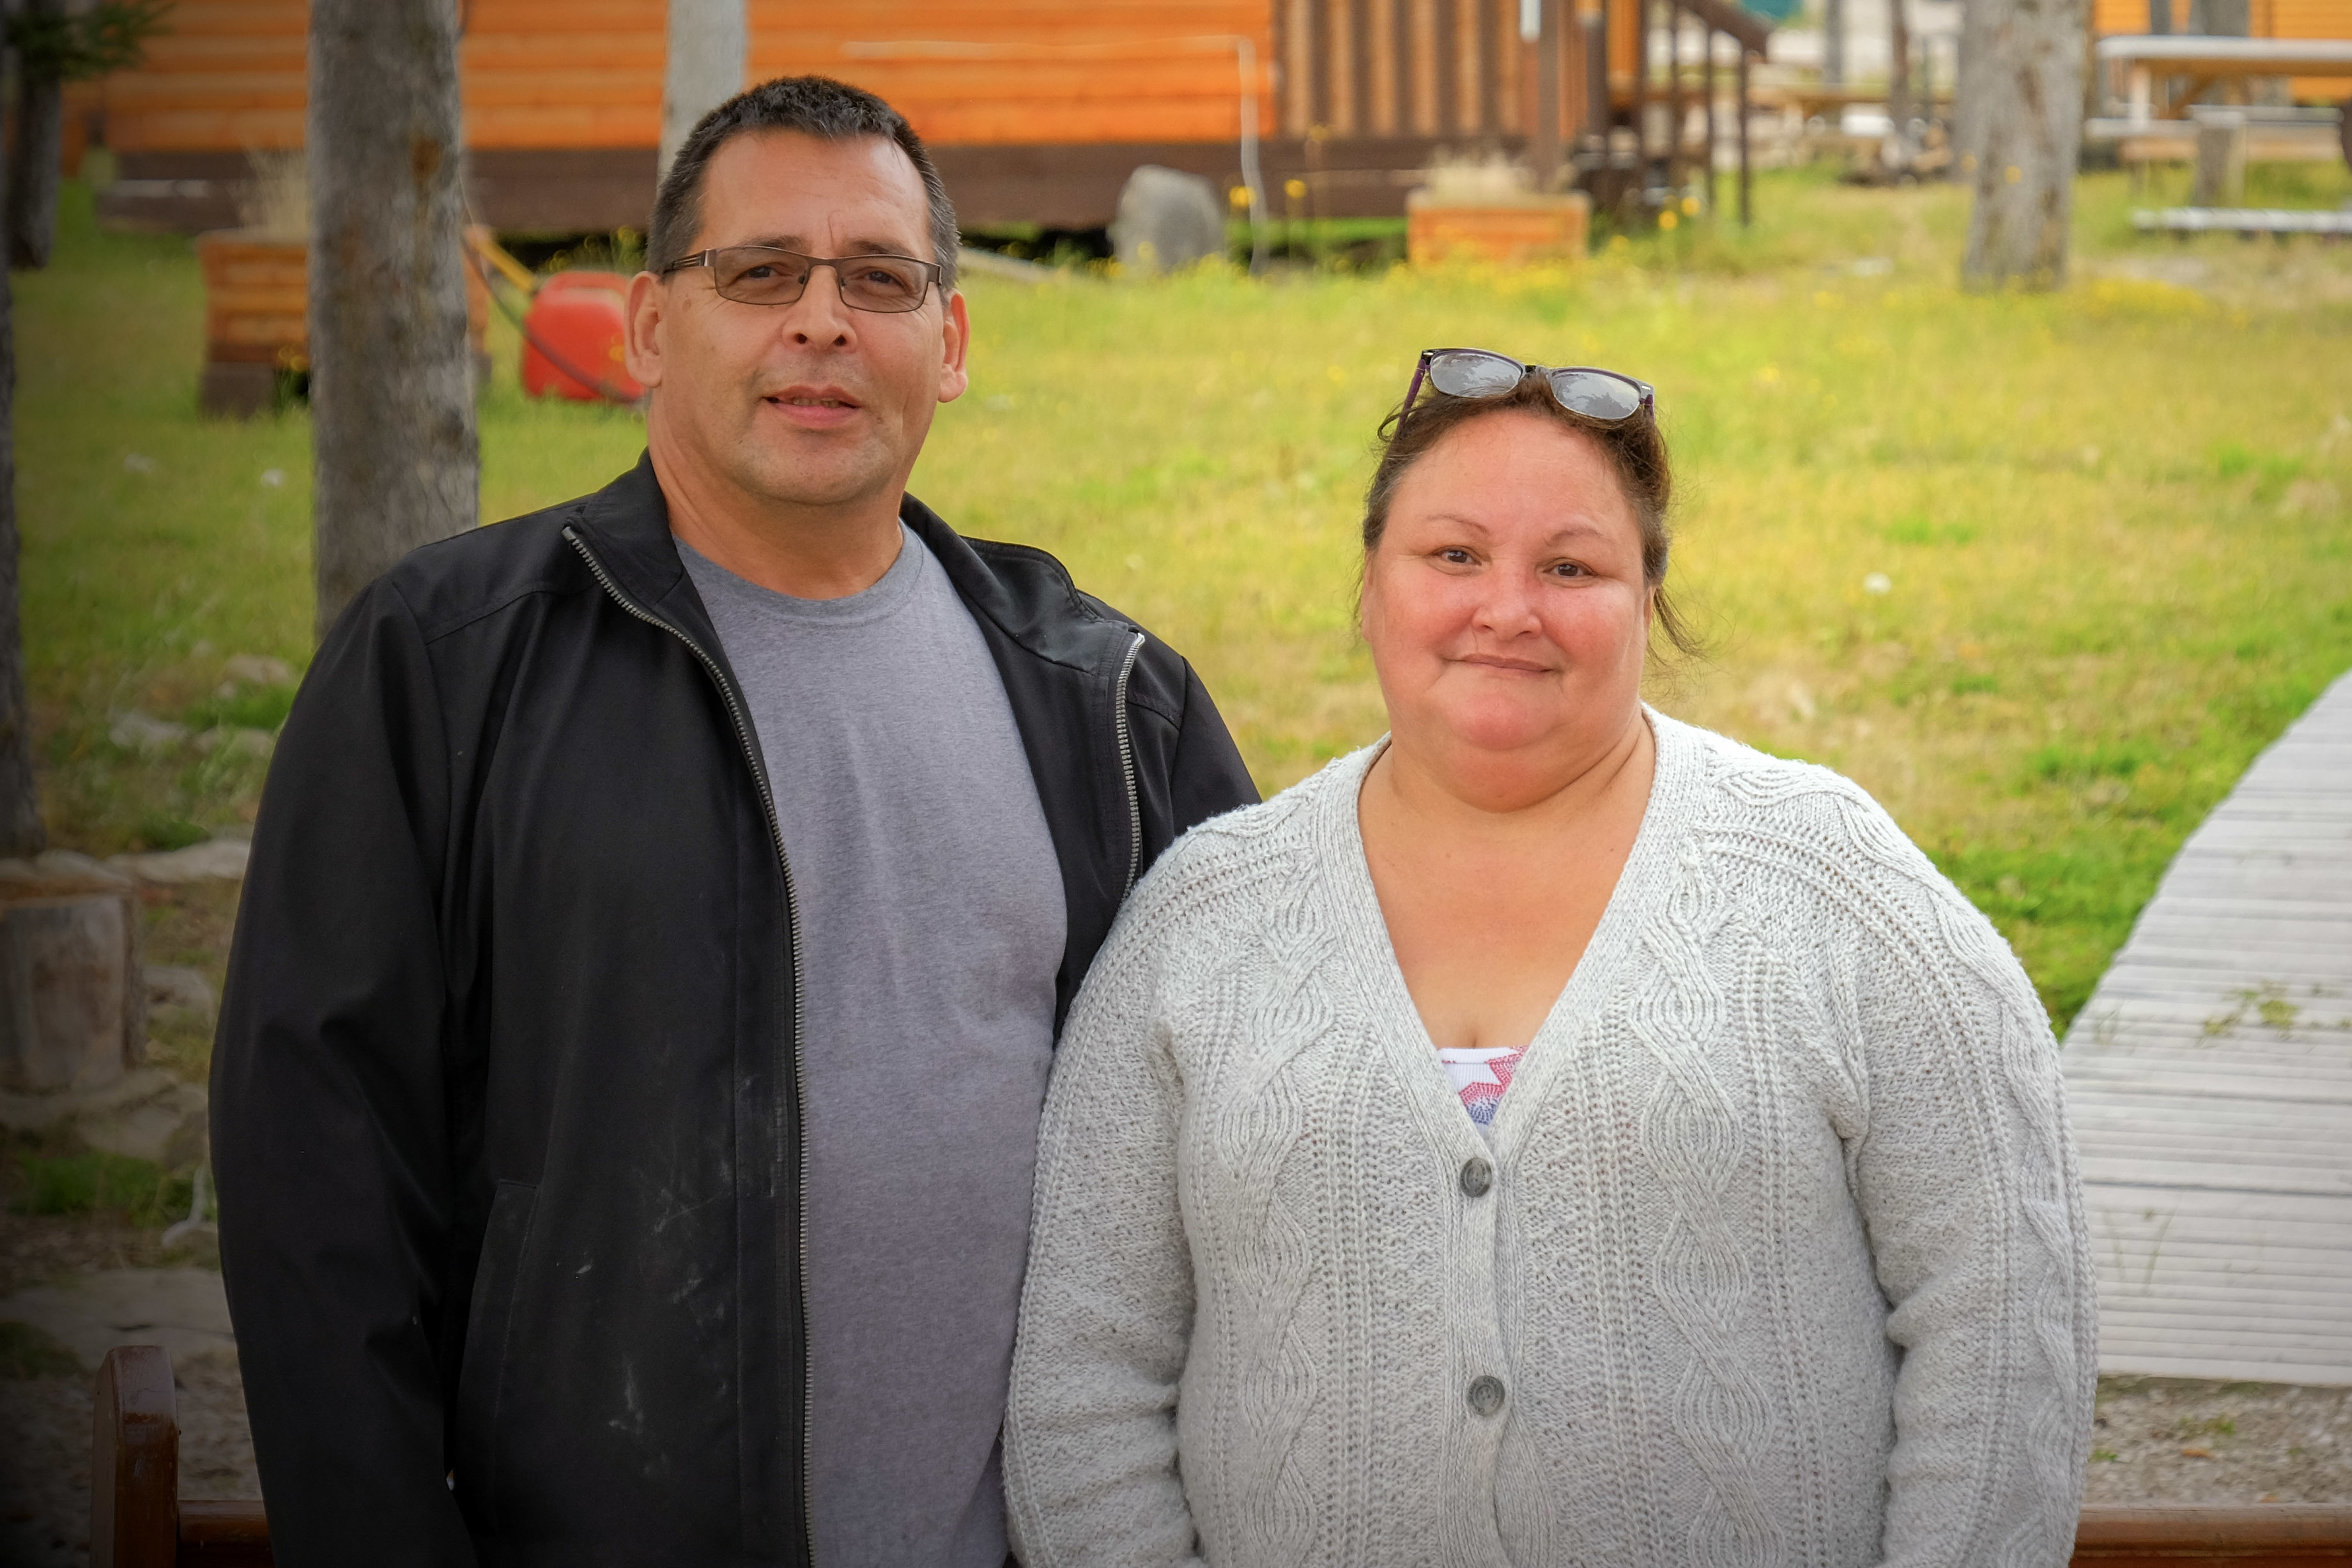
(1506, 606)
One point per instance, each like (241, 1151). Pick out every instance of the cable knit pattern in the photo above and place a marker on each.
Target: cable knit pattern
(1782, 1263)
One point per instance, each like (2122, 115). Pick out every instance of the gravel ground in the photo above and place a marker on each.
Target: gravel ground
(2167, 1440)
(2158, 1441)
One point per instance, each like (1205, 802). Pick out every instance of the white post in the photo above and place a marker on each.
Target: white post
(1247, 53)
(2142, 85)
(710, 46)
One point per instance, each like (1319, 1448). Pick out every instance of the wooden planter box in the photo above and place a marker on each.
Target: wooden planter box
(256, 316)
(1510, 230)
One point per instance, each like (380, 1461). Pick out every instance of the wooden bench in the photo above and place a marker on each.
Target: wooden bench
(138, 1519)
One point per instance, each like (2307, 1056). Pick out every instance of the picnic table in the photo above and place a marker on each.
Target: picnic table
(2204, 62)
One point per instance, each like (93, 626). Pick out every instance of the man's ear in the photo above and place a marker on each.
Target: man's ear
(953, 378)
(648, 300)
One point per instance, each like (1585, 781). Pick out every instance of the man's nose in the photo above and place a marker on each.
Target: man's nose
(820, 316)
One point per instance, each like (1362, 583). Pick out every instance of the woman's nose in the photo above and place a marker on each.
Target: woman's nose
(1508, 605)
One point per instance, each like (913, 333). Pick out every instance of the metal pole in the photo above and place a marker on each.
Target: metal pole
(1706, 86)
(1543, 147)
(1746, 215)
(1677, 113)
(1641, 95)
(1597, 107)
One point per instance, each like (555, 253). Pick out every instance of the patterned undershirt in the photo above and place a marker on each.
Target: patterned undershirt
(1481, 1075)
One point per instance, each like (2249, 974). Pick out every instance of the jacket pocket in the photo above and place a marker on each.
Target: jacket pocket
(480, 1377)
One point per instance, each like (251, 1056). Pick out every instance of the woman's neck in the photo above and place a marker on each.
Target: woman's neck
(1482, 794)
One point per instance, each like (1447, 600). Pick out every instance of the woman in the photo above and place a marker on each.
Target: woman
(1554, 1134)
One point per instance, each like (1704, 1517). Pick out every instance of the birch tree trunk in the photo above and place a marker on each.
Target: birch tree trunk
(37, 143)
(392, 398)
(20, 806)
(709, 44)
(2024, 73)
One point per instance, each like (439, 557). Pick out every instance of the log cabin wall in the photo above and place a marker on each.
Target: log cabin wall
(1037, 109)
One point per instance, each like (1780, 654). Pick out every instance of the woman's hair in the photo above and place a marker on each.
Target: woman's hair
(1636, 450)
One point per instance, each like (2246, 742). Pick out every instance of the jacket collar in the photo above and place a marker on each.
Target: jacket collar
(1024, 592)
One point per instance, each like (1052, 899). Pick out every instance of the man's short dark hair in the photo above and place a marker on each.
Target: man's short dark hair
(815, 106)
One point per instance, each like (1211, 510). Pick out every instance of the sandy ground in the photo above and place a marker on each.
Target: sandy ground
(2163, 1440)
(45, 1433)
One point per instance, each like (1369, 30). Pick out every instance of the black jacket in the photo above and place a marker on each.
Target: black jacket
(505, 1096)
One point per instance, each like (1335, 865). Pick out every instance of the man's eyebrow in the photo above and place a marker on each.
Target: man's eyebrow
(799, 246)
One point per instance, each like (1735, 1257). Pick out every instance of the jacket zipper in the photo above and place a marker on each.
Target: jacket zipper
(1127, 768)
(744, 739)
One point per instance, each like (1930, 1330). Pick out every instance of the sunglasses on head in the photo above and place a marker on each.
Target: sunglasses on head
(1601, 394)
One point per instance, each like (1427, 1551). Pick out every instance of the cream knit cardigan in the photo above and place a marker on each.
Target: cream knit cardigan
(1780, 1257)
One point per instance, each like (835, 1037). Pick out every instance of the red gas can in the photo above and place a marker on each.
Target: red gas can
(577, 316)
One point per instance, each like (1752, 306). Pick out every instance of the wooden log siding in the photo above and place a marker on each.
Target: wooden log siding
(228, 76)
(2266, 19)
(1452, 71)
(1045, 72)
(1026, 98)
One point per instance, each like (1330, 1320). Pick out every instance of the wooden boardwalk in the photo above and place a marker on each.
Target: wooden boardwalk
(2211, 1084)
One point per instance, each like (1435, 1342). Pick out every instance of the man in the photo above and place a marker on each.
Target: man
(660, 915)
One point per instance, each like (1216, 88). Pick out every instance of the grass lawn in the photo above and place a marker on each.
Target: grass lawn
(2111, 525)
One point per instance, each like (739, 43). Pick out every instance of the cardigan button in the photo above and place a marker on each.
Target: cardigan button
(1486, 1394)
(1476, 1177)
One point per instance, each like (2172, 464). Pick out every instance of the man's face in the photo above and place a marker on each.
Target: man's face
(811, 404)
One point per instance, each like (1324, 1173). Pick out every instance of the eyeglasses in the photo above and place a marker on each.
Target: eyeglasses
(1601, 394)
(762, 275)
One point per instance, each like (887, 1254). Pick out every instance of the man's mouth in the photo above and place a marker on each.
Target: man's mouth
(813, 407)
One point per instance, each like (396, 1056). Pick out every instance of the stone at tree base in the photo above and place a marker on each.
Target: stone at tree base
(73, 999)
(214, 860)
(1167, 221)
(255, 669)
(137, 732)
(184, 1310)
(172, 985)
(146, 1115)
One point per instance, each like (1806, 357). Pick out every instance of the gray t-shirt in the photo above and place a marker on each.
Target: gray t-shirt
(932, 918)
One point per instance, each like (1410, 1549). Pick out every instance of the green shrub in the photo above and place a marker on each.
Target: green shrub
(26, 1351)
(97, 1182)
(251, 707)
(161, 830)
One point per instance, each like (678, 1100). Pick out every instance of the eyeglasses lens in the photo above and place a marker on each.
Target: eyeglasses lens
(1595, 396)
(754, 275)
(1473, 375)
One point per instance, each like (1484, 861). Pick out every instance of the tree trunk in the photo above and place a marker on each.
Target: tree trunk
(20, 806)
(708, 44)
(391, 396)
(2024, 72)
(37, 147)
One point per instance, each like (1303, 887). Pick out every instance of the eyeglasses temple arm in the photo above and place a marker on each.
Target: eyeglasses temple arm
(1419, 370)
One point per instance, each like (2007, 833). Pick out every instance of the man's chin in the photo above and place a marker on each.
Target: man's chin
(819, 484)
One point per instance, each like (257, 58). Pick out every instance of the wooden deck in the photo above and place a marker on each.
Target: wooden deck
(2211, 1084)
